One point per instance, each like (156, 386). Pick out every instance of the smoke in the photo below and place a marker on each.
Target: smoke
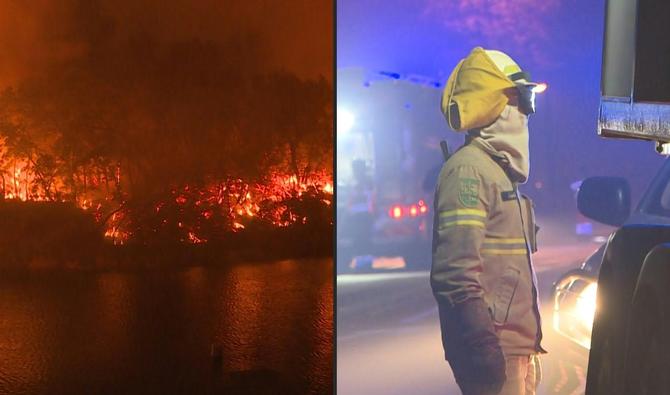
(517, 24)
(40, 35)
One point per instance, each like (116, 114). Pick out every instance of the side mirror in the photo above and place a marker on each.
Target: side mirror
(605, 199)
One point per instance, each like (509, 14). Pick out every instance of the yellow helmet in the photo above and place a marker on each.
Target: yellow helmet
(477, 89)
(509, 67)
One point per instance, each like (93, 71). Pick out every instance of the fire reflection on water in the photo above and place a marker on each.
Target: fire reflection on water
(129, 332)
(239, 326)
(114, 309)
(23, 363)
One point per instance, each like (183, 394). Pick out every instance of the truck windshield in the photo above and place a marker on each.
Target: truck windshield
(657, 199)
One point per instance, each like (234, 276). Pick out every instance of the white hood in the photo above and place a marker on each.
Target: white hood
(507, 139)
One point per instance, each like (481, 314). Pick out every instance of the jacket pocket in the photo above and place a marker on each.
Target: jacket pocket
(503, 295)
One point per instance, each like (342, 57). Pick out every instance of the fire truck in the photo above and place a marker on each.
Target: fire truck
(630, 341)
(389, 128)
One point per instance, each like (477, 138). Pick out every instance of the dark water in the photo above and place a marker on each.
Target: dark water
(152, 332)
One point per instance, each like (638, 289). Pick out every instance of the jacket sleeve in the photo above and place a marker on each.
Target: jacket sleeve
(461, 212)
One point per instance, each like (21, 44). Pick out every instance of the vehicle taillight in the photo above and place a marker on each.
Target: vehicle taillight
(415, 210)
(395, 212)
(422, 207)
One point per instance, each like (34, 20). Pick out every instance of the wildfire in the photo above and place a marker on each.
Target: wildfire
(192, 238)
(114, 232)
(233, 201)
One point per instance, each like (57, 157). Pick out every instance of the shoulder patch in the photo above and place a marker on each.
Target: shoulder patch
(468, 193)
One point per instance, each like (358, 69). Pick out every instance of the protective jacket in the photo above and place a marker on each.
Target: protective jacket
(483, 236)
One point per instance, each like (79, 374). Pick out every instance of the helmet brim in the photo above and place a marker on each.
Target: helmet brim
(537, 87)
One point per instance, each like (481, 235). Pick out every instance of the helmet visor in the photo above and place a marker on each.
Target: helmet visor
(526, 98)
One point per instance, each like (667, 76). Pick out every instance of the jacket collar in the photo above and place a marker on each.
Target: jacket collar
(496, 155)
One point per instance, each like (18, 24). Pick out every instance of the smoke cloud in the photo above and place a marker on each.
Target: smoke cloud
(36, 36)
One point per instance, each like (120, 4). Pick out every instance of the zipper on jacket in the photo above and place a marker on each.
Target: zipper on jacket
(536, 310)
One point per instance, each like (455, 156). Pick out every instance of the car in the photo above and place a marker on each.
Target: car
(574, 293)
(613, 303)
(629, 346)
(574, 299)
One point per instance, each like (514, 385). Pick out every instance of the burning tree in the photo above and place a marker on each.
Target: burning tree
(182, 141)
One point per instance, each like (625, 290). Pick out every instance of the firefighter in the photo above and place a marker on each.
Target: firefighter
(360, 207)
(484, 231)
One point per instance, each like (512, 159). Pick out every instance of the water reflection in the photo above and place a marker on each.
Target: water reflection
(321, 355)
(240, 316)
(152, 331)
(112, 309)
(22, 362)
(262, 335)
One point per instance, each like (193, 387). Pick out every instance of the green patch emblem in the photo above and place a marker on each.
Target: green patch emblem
(468, 194)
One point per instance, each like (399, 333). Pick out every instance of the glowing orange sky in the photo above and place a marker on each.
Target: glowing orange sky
(296, 35)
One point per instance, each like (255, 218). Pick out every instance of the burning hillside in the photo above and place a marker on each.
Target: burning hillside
(187, 213)
(168, 140)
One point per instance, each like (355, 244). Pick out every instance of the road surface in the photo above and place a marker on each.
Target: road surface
(388, 337)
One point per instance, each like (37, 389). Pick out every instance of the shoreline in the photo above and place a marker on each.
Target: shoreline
(98, 256)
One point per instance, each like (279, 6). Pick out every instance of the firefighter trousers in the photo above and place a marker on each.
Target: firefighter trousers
(523, 372)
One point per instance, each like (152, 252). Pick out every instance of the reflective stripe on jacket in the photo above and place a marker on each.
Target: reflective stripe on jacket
(483, 235)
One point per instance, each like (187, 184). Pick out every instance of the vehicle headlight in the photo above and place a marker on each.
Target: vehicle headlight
(585, 308)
